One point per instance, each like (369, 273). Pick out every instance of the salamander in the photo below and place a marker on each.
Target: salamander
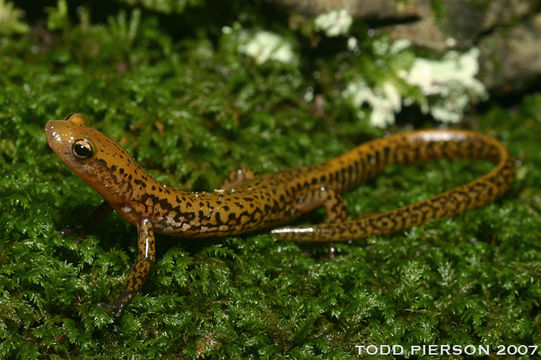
(247, 201)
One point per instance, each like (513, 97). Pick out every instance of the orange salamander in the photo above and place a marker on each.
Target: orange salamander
(247, 202)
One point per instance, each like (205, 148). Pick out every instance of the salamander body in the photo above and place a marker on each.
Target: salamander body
(246, 202)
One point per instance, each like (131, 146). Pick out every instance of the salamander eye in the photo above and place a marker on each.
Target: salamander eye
(82, 149)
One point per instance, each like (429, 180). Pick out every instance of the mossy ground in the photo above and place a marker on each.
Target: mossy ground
(190, 108)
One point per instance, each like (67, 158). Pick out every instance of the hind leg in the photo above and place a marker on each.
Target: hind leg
(323, 195)
(334, 206)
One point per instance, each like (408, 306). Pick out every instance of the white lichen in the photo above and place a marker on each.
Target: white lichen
(265, 45)
(309, 94)
(226, 30)
(399, 45)
(384, 101)
(10, 19)
(353, 44)
(380, 47)
(334, 23)
(446, 87)
(448, 83)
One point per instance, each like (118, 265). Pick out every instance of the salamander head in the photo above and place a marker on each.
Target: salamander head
(95, 158)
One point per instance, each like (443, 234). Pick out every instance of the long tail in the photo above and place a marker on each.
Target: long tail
(370, 159)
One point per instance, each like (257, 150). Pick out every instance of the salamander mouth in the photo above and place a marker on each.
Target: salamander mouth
(50, 132)
(53, 137)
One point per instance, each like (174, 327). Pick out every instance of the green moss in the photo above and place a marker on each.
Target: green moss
(190, 109)
(165, 6)
(439, 9)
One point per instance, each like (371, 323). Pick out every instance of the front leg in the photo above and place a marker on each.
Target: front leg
(146, 256)
(95, 219)
(237, 176)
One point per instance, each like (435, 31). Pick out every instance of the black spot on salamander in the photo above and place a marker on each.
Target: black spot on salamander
(121, 170)
(164, 204)
(113, 167)
(226, 208)
(130, 177)
(153, 187)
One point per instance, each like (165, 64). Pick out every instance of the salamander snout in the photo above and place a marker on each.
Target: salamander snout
(55, 135)
(71, 140)
(95, 158)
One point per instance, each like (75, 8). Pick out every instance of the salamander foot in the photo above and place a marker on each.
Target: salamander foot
(77, 232)
(331, 250)
(117, 307)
